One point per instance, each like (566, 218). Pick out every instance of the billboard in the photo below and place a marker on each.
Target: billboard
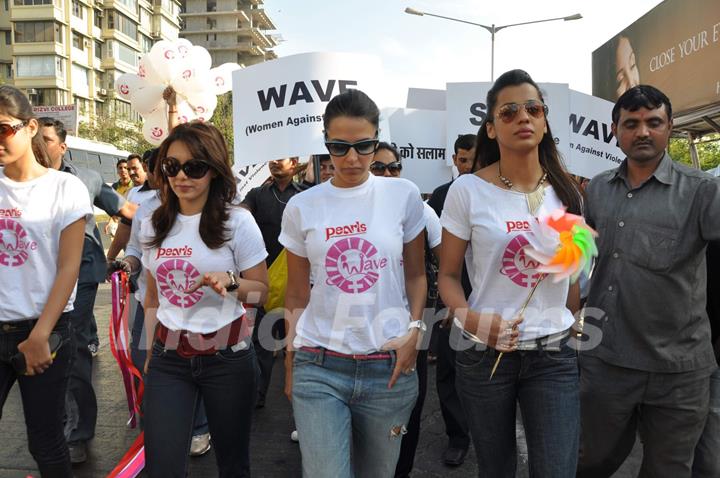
(674, 47)
(67, 114)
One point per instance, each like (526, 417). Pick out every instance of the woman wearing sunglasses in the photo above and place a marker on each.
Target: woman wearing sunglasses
(42, 225)
(386, 161)
(519, 176)
(204, 257)
(353, 338)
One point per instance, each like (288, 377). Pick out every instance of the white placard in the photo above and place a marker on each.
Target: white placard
(593, 147)
(419, 136)
(467, 109)
(65, 113)
(426, 99)
(278, 105)
(249, 177)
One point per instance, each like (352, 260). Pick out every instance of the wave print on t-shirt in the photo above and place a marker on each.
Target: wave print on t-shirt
(353, 264)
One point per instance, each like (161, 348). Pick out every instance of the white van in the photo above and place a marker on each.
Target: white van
(102, 157)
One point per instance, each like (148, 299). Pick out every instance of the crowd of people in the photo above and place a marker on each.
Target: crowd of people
(353, 278)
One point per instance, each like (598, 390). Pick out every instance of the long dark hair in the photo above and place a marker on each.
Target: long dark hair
(488, 151)
(205, 142)
(14, 103)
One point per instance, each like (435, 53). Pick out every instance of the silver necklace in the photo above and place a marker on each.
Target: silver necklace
(535, 197)
(276, 197)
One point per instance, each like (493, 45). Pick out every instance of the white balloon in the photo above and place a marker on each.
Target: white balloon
(147, 71)
(203, 104)
(185, 112)
(155, 128)
(183, 46)
(127, 83)
(199, 58)
(148, 99)
(164, 59)
(221, 77)
(191, 82)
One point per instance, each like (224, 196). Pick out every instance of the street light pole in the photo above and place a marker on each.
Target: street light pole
(492, 29)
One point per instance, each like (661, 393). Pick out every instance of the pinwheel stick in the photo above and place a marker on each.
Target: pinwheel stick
(522, 311)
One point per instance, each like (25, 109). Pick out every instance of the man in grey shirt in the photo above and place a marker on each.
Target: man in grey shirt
(649, 356)
(81, 403)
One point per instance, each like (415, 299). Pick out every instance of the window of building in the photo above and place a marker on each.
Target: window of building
(81, 104)
(80, 76)
(99, 79)
(78, 9)
(123, 109)
(78, 41)
(211, 37)
(132, 5)
(211, 23)
(45, 97)
(27, 3)
(36, 66)
(211, 6)
(97, 18)
(98, 50)
(99, 110)
(8, 37)
(127, 54)
(110, 19)
(31, 32)
(126, 25)
(145, 43)
(7, 5)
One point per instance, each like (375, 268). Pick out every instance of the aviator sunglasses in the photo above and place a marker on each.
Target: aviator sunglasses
(341, 148)
(380, 167)
(507, 113)
(193, 169)
(8, 131)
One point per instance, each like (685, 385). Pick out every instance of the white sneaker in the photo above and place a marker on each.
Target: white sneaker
(200, 444)
(294, 436)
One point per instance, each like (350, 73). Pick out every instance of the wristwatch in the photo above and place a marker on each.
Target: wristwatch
(233, 282)
(417, 324)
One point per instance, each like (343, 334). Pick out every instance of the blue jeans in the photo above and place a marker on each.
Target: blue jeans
(43, 398)
(707, 452)
(546, 385)
(226, 381)
(138, 354)
(341, 404)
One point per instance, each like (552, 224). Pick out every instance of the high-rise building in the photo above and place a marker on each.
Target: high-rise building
(64, 52)
(233, 31)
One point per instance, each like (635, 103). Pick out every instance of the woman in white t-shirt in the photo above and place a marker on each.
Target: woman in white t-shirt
(519, 177)
(204, 258)
(42, 225)
(352, 339)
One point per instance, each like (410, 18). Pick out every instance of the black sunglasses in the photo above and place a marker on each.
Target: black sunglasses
(507, 113)
(380, 167)
(193, 169)
(341, 148)
(8, 131)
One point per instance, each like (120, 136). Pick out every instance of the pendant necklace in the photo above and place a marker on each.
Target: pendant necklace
(534, 198)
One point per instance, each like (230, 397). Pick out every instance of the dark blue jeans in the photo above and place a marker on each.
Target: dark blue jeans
(43, 398)
(226, 381)
(546, 385)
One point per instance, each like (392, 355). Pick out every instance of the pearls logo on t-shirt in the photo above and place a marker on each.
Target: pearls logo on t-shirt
(516, 264)
(15, 246)
(174, 278)
(353, 264)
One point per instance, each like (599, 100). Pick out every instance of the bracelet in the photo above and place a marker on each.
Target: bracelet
(172, 111)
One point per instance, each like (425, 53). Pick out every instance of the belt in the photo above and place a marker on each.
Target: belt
(332, 353)
(27, 324)
(552, 342)
(189, 344)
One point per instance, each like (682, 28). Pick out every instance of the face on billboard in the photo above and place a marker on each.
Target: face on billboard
(627, 74)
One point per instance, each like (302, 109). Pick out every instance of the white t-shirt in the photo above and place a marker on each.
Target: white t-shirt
(495, 222)
(136, 196)
(134, 247)
(33, 214)
(353, 239)
(433, 226)
(184, 258)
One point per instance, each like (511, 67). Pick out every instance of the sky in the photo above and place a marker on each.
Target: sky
(427, 52)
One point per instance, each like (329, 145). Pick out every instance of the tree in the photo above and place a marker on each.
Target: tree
(223, 120)
(116, 130)
(708, 148)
